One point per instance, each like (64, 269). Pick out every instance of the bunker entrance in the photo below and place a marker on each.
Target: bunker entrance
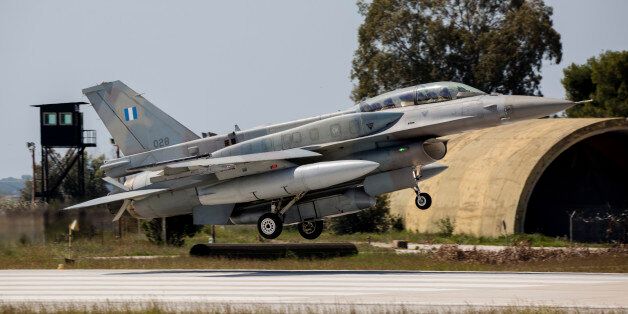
(585, 187)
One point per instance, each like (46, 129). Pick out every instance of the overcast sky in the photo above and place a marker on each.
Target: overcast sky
(213, 64)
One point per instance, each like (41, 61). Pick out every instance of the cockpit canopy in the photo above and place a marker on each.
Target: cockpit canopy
(419, 95)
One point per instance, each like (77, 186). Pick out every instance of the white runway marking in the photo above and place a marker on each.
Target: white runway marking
(409, 289)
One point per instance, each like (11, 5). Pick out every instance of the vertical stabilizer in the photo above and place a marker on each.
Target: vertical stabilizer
(134, 122)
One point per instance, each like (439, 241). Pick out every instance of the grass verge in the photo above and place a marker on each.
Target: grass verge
(448, 258)
(156, 308)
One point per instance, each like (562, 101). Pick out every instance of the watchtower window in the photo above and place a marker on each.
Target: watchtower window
(65, 118)
(50, 118)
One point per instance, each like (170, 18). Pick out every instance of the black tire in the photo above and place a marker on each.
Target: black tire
(269, 225)
(423, 201)
(310, 229)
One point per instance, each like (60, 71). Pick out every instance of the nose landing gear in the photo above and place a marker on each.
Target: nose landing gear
(423, 200)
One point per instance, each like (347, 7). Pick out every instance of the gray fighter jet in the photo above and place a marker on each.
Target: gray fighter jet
(297, 172)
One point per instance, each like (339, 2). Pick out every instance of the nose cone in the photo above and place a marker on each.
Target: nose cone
(529, 107)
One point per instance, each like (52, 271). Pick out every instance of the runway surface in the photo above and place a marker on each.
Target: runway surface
(314, 289)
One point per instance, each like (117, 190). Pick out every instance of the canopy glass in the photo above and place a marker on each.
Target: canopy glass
(419, 95)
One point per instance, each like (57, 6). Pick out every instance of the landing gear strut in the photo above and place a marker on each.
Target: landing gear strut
(311, 229)
(270, 225)
(423, 200)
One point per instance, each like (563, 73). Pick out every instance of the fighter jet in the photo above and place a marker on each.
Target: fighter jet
(297, 172)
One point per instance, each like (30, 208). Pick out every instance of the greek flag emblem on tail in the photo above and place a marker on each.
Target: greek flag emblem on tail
(130, 113)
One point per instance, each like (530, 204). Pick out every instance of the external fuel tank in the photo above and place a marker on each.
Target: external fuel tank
(285, 182)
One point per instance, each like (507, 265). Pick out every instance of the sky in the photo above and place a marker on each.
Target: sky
(212, 64)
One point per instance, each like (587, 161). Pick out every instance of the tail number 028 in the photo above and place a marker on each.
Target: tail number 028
(161, 142)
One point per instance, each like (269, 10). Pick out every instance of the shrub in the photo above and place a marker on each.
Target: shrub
(177, 228)
(397, 223)
(446, 226)
(374, 219)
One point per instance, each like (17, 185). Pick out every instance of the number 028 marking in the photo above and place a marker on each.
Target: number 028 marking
(161, 142)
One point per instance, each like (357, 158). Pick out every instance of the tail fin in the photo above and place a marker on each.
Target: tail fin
(135, 123)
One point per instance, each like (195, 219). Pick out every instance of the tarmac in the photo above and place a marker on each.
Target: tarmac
(313, 290)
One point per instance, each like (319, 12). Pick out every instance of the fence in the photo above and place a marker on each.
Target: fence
(599, 225)
(41, 225)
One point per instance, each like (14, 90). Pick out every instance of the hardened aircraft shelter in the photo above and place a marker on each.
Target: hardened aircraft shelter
(529, 176)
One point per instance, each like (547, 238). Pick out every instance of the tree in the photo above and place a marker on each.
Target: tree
(26, 191)
(494, 45)
(94, 185)
(374, 219)
(604, 80)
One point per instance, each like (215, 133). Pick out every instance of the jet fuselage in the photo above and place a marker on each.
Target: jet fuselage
(329, 165)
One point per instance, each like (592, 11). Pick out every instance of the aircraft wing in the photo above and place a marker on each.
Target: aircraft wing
(294, 153)
(218, 164)
(132, 195)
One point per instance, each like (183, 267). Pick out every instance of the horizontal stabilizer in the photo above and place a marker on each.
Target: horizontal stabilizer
(116, 184)
(117, 197)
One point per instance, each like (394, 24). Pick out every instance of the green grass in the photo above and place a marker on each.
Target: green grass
(248, 234)
(49, 256)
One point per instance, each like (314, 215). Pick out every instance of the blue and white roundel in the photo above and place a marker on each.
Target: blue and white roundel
(130, 113)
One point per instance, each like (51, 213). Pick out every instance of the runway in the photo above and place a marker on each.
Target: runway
(314, 289)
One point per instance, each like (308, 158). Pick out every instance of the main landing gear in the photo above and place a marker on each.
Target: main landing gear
(423, 200)
(311, 229)
(269, 225)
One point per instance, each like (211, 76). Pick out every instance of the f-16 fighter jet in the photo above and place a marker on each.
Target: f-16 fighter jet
(297, 172)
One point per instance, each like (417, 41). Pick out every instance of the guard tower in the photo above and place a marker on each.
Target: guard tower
(61, 126)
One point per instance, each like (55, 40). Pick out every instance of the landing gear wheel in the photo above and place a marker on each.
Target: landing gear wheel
(423, 201)
(269, 225)
(311, 229)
